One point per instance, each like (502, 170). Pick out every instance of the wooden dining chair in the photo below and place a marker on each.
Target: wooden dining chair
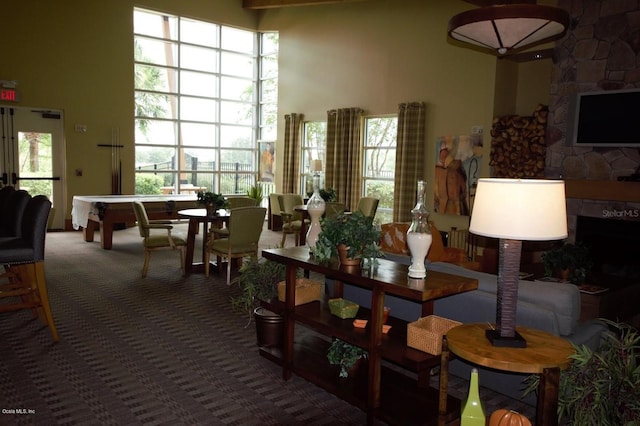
(245, 228)
(156, 240)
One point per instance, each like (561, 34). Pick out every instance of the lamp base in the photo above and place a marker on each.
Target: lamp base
(517, 341)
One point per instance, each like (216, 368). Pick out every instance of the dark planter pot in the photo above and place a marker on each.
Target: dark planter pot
(269, 327)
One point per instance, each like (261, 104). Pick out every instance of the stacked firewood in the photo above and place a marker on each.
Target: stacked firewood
(518, 146)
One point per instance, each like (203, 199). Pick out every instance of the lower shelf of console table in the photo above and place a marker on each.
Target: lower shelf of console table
(402, 400)
(405, 399)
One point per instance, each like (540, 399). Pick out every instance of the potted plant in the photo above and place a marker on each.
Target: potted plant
(345, 355)
(212, 201)
(355, 232)
(255, 192)
(569, 261)
(258, 280)
(601, 387)
(328, 195)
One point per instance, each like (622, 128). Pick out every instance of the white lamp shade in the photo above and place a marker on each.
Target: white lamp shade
(316, 165)
(520, 209)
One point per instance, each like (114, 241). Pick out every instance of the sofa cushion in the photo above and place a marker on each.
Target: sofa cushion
(394, 238)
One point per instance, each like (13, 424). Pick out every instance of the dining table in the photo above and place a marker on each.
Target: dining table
(197, 217)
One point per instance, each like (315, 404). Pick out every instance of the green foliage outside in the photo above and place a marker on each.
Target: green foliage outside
(148, 184)
(384, 192)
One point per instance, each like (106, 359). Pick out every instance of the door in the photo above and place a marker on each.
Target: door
(32, 156)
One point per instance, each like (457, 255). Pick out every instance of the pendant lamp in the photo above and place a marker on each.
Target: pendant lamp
(508, 28)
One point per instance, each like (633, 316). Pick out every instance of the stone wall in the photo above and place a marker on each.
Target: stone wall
(601, 51)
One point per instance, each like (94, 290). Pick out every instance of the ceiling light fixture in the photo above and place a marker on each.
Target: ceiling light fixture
(508, 28)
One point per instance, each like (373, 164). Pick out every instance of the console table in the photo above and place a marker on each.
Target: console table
(545, 355)
(383, 392)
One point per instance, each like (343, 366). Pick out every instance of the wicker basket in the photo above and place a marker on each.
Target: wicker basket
(343, 308)
(306, 291)
(426, 333)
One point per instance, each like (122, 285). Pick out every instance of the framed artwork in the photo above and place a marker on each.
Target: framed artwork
(458, 162)
(267, 161)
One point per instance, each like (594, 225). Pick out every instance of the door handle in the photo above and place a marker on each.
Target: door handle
(14, 179)
(5, 178)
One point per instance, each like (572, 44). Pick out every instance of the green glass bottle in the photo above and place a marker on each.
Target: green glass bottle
(473, 413)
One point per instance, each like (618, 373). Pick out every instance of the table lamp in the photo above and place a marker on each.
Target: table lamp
(316, 167)
(514, 210)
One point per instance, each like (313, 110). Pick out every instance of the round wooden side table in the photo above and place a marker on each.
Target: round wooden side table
(545, 354)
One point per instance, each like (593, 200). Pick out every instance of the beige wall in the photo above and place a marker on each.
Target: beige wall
(374, 55)
(77, 56)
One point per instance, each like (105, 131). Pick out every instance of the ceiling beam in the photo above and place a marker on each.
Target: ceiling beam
(270, 4)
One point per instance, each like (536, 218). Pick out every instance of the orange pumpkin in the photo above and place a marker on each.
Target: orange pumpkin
(504, 417)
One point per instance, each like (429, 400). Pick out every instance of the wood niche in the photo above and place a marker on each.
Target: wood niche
(518, 145)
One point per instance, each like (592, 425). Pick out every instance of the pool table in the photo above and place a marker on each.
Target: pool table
(104, 211)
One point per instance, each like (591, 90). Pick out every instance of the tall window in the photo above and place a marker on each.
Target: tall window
(313, 148)
(380, 163)
(268, 80)
(196, 103)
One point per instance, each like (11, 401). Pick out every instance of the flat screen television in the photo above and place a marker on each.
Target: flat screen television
(608, 119)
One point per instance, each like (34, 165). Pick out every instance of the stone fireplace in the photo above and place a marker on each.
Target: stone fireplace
(613, 243)
(601, 51)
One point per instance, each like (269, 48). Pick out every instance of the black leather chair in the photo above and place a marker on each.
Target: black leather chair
(12, 212)
(23, 259)
(5, 191)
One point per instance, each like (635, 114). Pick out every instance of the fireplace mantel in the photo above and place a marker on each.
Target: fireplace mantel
(603, 190)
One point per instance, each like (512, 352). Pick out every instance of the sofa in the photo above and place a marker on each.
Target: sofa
(551, 307)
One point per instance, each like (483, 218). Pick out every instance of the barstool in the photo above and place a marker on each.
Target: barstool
(23, 259)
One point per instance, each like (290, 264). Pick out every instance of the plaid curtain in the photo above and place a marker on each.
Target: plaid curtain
(410, 158)
(292, 144)
(343, 171)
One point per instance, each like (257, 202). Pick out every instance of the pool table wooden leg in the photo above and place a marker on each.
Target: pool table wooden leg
(106, 234)
(89, 231)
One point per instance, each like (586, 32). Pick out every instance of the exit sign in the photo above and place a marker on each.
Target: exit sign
(10, 95)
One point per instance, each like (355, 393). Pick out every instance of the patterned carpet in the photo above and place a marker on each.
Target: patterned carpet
(164, 350)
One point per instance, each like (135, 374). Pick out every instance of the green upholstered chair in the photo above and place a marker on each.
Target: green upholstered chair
(333, 209)
(368, 206)
(245, 228)
(291, 219)
(233, 203)
(158, 240)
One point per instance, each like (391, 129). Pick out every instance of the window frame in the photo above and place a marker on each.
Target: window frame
(385, 207)
(232, 118)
